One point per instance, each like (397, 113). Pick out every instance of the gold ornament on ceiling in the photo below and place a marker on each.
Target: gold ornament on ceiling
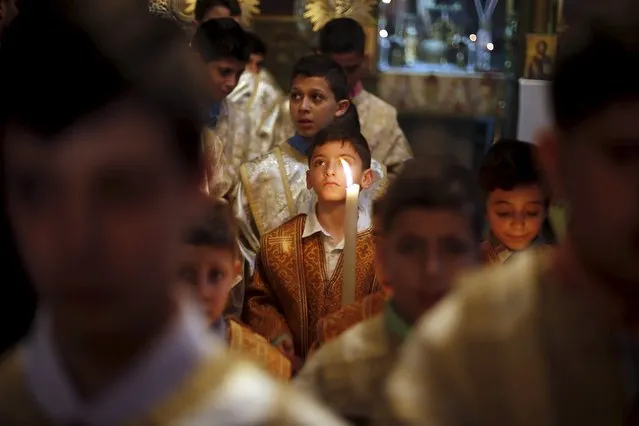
(319, 12)
(184, 10)
(250, 9)
(179, 10)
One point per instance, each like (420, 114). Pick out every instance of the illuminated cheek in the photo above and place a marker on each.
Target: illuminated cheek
(497, 224)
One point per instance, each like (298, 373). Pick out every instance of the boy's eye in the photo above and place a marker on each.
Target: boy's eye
(408, 245)
(455, 246)
(188, 275)
(317, 97)
(533, 213)
(319, 162)
(504, 214)
(215, 277)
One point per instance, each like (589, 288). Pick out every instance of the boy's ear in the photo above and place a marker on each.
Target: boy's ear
(237, 267)
(342, 107)
(308, 180)
(367, 179)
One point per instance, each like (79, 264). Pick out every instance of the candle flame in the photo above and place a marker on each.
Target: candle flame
(347, 172)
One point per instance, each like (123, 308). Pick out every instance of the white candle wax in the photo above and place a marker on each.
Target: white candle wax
(350, 237)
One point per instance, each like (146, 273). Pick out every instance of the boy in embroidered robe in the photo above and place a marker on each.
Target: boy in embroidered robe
(299, 275)
(344, 40)
(432, 222)
(551, 338)
(98, 191)
(224, 47)
(211, 264)
(516, 202)
(334, 324)
(273, 188)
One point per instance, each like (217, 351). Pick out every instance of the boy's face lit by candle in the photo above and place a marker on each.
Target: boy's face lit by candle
(516, 216)
(326, 175)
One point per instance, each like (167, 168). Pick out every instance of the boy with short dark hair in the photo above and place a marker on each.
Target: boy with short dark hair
(210, 263)
(344, 40)
(432, 222)
(224, 47)
(273, 187)
(516, 202)
(98, 190)
(299, 273)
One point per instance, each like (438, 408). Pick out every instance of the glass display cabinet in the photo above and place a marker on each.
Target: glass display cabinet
(445, 56)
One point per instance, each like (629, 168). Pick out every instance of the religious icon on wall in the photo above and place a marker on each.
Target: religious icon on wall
(541, 50)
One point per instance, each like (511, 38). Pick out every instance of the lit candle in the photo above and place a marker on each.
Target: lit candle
(350, 236)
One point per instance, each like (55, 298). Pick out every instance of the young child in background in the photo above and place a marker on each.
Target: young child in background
(299, 273)
(516, 203)
(432, 222)
(210, 264)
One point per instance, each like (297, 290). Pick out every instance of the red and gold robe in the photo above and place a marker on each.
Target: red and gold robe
(332, 325)
(289, 293)
(256, 348)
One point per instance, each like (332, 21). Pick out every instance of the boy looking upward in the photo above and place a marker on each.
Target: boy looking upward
(515, 199)
(344, 40)
(273, 188)
(210, 264)
(299, 273)
(432, 223)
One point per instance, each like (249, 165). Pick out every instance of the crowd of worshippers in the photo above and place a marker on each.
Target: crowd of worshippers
(184, 225)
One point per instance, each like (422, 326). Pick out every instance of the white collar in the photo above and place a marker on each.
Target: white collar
(151, 378)
(313, 226)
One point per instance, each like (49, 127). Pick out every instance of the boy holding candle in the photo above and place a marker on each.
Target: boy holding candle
(210, 263)
(273, 188)
(432, 224)
(300, 267)
(341, 320)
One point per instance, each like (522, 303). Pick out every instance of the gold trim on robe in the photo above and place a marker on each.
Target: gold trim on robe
(224, 387)
(348, 375)
(514, 345)
(217, 178)
(273, 189)
(289, 295)
(386, 139)
(333, 325)
(257, 348)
